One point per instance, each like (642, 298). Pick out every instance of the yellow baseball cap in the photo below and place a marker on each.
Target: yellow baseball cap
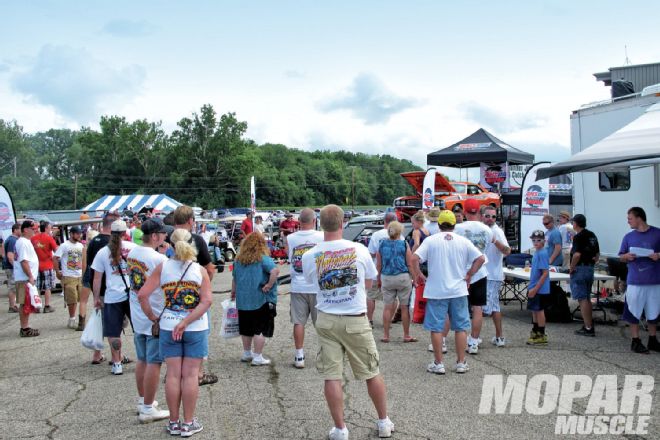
(446, 216)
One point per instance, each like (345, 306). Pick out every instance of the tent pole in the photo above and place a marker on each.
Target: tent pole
(656, 181)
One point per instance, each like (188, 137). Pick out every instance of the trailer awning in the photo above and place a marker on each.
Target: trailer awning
(159, 202)
(637, 144)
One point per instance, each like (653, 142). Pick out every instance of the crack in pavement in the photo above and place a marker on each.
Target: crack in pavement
(82, 387)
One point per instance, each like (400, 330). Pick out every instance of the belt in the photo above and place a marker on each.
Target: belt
(585, 264)
(351, 316)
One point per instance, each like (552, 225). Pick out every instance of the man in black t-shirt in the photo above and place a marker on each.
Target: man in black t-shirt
(584, 255)
(184, 218)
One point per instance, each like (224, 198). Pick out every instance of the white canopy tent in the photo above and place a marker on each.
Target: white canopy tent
(635, 145)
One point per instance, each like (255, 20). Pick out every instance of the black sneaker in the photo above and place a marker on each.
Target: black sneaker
(586, 332)
(638, 347)
(653, 344)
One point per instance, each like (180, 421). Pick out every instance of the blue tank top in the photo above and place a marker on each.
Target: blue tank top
(422, 237)
(393, 257)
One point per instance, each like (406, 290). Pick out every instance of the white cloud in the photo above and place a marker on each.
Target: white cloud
(76, 84)
(369, 100)
(499, 121)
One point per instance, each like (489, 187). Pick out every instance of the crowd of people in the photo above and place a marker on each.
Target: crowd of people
(158, 281)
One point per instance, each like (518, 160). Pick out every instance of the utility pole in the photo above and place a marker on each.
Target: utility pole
(353, 185)
(14, 167)
(75, 191)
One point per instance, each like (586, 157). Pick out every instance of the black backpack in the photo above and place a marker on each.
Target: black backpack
(558, 310)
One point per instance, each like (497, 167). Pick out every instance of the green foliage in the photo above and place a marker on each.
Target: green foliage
(206, 161)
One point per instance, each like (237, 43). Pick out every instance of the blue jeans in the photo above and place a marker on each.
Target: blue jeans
(147, 349)
(438, 309)
(191, 345)
(581, 282)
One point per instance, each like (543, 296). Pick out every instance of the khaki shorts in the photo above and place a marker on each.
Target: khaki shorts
(374, 293)
(11, 286)
(302, 305)
(396, 287)
(21, 288)
(346, 334)
(71, 287)
(566, 255)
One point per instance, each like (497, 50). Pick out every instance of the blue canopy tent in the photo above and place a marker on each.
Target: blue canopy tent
(159, 202)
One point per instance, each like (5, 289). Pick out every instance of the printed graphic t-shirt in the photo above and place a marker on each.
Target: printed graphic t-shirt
(299, 243)
(70, 255)
(181, 297)
(115, 288)
(142, 261)
(480, 235)
(339, 268)
(44, 246)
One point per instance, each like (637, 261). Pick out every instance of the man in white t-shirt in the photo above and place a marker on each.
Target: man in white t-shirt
(448, 256)
(303, 294)
(68, 264)
(374, 292)
(480, 235)
(567, 233)
(142, 260)
(26, 269)
(496, 250)
(342, 271)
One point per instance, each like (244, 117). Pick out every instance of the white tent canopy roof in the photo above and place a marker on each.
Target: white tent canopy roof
(636, 144)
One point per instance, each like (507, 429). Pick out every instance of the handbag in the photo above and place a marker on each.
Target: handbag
(155, 326)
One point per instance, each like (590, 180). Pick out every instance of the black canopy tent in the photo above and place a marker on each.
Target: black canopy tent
(480, 146)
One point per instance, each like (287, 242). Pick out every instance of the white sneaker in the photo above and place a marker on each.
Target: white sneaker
(117, 369)
(338, 434)
(259, 361)
(436, 368)
(500, 342)
(246, 357)
(299, 362)
(385, 429)
(461, 367)
(72, 323)
(139, 406)
(444, 347)
(479, 341)
(152, 414)
(472, 349)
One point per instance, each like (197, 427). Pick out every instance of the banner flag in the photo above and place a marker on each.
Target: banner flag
(428, 190)
(535, 203)
(7, 213)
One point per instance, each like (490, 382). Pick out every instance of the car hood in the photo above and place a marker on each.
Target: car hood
(416, 179)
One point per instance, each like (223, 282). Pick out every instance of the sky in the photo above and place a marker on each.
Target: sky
(403, 78)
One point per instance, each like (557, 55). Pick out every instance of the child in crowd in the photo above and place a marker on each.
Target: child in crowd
(538, 291)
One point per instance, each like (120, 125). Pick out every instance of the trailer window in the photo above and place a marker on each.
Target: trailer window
(614, 181)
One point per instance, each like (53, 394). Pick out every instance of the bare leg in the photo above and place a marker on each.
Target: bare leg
(23, 317)
(376, 388)
(405, 318)
(46, 298)
(189, 387)
(652, 329)
(140, 368)
(12, 298)
(84, 297)
(298, 335)
(247, 343)
(173, 386)
(436, 340)
(115, 349)
(72, 310)
(334, 395)
(461, 343)
(371, 306)
(634, 330)
(477, 320)
(151, 380)
(388, 311)
(540, 318)
(497, 320)
(259, 342)
(585, 309)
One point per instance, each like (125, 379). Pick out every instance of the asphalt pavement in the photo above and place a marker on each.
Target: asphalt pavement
(49, 389)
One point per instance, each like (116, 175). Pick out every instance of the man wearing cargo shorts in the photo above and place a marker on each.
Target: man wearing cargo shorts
(26, 268)
(67, 262)
(343, 270)
(303, 294)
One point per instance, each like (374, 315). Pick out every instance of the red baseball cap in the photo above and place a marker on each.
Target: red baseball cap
(471, 206)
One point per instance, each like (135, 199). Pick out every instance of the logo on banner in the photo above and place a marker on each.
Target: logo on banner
(6, 219)
(534, 199)
(428, 198)
(464, 147)
(494, 175)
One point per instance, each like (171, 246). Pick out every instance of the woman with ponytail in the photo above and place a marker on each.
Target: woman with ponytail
(183, 328)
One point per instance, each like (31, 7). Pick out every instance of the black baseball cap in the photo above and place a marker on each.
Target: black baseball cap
(580, 220)
(538, 234)
(152, 226)
(75, 230)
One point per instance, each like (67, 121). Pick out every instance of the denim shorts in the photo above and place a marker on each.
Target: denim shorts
(581, 282)
(438, 309)
(147, 349)
(86, 280)
(191, 345)
(113, 318)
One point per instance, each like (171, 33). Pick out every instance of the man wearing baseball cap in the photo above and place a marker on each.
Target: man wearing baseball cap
(480, 235)
(538, 289)
(446, 290)
(67, 262)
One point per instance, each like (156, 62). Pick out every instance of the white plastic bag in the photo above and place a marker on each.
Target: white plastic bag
(92, 336)
(229, 327)
(35, 299)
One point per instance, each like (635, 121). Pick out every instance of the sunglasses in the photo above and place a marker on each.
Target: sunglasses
(547, 223)
(537, 240)
(489, 216)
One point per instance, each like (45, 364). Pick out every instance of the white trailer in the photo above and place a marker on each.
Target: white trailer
(604, 198)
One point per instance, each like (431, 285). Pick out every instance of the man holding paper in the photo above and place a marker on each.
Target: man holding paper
(640, 248)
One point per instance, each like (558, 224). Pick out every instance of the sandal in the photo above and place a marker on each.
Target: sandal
(28, 332)
(13, 309)
(99, 360)
(410, 339)
(124, 360)
(385, 340)
(208, 379)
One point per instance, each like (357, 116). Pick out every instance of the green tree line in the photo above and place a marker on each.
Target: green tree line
(206, 161)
